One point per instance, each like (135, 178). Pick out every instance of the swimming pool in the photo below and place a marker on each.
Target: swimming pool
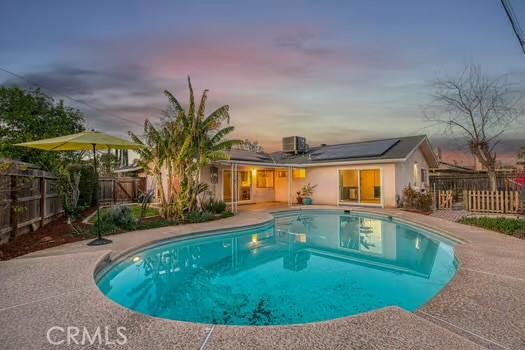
(304, 267)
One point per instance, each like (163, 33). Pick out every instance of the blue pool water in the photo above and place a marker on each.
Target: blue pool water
(305, 267)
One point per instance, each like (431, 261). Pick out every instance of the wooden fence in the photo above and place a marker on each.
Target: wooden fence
(28, 201)
(120, 189)
(445, 199)
(504, 202)
(472, 182)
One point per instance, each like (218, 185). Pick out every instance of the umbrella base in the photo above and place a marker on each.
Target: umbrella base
(99, 241)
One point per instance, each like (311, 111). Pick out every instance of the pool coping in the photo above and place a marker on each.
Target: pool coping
(457, 307)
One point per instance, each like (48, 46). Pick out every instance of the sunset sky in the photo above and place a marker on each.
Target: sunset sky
(332, 71)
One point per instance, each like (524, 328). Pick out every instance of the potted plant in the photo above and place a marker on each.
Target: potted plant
(306, 193)
(299, 198)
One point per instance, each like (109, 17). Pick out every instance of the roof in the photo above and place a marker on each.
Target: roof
(452, 168)
(250, 156)
(380, 150)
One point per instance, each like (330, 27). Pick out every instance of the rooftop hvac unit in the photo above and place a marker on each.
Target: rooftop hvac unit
(294, 144)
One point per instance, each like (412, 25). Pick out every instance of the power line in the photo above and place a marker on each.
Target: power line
(514, 23)
(70, 98)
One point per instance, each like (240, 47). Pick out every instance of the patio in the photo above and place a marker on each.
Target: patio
(481, 308)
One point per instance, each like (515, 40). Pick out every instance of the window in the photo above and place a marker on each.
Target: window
(360, 186)
(264, 178)
(424, 176)
(299, 173)
(282, 173)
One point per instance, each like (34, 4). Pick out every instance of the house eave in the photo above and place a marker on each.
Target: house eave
(312, 165)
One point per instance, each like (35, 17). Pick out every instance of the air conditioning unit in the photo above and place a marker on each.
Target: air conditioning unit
(294, 144)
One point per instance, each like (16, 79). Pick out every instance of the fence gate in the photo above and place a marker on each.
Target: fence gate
(445, 199)
(120, 189)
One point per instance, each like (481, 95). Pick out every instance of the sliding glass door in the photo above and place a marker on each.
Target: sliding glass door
(360, 186)
(244, 185)
(349, 186)
(370, 186)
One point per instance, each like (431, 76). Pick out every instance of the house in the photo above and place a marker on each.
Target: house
(368, 173)
(445, 168)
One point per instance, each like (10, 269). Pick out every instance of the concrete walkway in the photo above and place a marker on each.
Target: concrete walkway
(483, 307)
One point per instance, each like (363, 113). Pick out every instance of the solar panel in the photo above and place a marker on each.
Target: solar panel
(248, 156)
(353, 150)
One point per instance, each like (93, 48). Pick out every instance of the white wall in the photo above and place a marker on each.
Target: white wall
(405, 172)
(327, 181)
(394, 176)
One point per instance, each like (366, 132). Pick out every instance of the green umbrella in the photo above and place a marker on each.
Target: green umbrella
(84, 141)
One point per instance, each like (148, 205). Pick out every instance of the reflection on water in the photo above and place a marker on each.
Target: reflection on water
(303, 268)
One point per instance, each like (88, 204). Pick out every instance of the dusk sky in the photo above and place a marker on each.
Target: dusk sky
(333, 71)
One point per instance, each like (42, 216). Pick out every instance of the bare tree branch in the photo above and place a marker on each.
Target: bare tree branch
(482, 108)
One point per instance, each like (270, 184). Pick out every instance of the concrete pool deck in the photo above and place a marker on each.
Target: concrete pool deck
(482, 307)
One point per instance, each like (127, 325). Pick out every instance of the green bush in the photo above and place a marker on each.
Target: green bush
(227, 214)
(413, 199)
(105, 224)
(424, 202)
(213, 205)
(509, 226)
(120, 216)
(199, 216)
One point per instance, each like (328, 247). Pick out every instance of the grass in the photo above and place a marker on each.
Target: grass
(508, 226)
(135, 209)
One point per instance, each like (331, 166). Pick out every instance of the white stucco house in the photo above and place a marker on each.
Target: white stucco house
(368, 173)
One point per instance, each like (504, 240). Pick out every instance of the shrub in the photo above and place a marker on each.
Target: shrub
(417, 200)
(424, 202)
(120, 216)
(219, 207)
(409, 197)
(105, 224)
(199, 216)
(227, 214)
(213, 205)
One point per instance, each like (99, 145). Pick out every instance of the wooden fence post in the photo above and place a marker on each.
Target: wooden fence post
(14, 208)
(43, 190)
(114, 188)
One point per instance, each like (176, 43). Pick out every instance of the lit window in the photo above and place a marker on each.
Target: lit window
(299, 173)
(264, 178)
(282, 173)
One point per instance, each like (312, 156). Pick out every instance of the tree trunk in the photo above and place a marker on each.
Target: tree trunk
(492, 179)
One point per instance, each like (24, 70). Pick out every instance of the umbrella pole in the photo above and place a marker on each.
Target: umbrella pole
(99, 240)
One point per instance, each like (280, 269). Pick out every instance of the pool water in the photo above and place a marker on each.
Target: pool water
(305, 267)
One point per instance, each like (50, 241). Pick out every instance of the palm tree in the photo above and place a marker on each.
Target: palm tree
(201, 141)
(153, 157)
(186, 142)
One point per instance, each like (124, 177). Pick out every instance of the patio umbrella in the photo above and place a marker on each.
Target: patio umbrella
(84, 141)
